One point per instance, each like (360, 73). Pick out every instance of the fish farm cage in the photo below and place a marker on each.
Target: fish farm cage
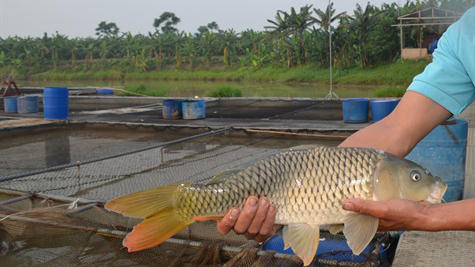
(51, 201)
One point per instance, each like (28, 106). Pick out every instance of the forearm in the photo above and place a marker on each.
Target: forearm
(414, 117)
(459, 215)
(384, 135)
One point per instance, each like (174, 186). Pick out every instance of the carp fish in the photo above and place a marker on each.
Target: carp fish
(307, 187)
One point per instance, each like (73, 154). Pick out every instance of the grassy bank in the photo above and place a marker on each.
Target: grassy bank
(396, 74)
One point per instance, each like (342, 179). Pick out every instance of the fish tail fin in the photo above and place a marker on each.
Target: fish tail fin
(157, 206)
(154, 231)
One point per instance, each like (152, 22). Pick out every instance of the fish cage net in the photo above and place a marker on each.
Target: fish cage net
(53, 215)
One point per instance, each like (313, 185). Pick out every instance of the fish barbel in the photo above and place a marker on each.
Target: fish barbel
(307, 187)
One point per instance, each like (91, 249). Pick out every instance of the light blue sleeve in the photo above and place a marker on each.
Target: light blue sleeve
(450, 79)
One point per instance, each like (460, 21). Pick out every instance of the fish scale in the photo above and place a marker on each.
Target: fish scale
(291, 185)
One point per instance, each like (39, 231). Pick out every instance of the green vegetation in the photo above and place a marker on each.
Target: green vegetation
(387, 92)
(224, 91)
(396, 74)
(292, 49)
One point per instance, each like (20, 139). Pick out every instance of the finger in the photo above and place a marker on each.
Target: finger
(245, 217)
(228, 221)
(261, 214)
(369, 207)
(268, 228)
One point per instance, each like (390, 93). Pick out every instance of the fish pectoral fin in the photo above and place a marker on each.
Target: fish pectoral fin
(304, 239)
(154, 230)
(359, 230)
(335, 228)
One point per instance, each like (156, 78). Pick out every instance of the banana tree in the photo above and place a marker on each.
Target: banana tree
(206, 45)
(189, 49)
(228, 40)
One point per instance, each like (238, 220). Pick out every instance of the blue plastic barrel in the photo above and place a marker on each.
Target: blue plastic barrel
(382, 108)
(27, 104)
(104, 91)
(355, 110)
(194, 109)
(443, 153)
(172, 109)
(10, 104)
(55, 103)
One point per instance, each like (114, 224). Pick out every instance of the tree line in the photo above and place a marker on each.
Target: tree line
(292, 38)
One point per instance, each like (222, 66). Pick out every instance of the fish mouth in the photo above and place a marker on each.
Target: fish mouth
(436, 195)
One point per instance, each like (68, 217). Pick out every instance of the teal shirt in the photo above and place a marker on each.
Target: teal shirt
(450, 79)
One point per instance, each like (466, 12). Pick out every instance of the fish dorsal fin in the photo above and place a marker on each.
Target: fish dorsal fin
(335, 228)
(359, 230)
(222, 176)
(303, 238)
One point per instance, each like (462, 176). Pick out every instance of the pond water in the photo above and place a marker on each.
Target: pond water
(200, 88)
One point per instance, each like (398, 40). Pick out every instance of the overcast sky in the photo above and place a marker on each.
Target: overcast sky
(79, 18)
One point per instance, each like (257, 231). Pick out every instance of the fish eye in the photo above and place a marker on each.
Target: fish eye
(415, 176)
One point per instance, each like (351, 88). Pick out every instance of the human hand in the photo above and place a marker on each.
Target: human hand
(255, 221)
(393, 214)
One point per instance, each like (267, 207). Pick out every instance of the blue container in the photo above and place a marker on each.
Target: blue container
(342, 251)
(10, 104)
(27, 104)
(382, 108)
(55, 103)
(355, 110)
(104, 91)
(172, 109)
(443, 152)
(194, 109)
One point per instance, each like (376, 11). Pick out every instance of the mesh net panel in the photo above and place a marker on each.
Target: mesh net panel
(53, 227)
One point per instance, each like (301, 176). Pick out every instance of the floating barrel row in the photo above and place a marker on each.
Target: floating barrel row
(356, 110)
(55, 103)
(186, 109)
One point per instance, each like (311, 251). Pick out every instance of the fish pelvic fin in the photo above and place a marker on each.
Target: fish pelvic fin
(304, 239)
(157, 206)
(144, 204)
(154, 230)
(359, 230)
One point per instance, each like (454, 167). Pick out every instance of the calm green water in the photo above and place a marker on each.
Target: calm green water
(197, 88)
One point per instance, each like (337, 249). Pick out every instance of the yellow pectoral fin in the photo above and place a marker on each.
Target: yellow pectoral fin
(304, 239)
(154, 230)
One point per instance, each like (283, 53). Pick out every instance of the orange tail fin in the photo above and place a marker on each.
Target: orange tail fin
(157, 207)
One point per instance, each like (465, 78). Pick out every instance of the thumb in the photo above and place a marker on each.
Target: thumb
(359, 205)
